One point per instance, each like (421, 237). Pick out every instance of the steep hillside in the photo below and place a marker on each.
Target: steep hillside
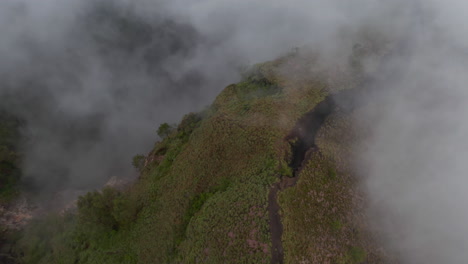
(261, 176)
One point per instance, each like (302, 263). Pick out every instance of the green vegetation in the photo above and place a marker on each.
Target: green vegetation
(285, 170)
(332, 173)
(96, 209)
(357, 255)
(323, 215)
(41, 241)
(9, 158)
(199, 200)
(202, 196)
(138, 162)
(164, 130)
(337, 225)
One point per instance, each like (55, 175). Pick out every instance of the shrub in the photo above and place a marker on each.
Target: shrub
(165, 130)
(332, 173)
(43, 240)
(107, 210)
(9, 177)
(189, 123)
(138, 162)
(125, 210)
(9, 158)
(357, 255)
(337, 225)
(285, 170)
(199, 200)
(96, 209)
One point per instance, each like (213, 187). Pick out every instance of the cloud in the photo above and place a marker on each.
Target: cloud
(414, 161)
(93, 79)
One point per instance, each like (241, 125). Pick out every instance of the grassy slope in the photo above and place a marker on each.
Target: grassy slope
(323, 215)
(240, 143)
(202, 197)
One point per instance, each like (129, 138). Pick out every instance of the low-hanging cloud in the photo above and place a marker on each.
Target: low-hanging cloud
(93, 79)
(415, 159)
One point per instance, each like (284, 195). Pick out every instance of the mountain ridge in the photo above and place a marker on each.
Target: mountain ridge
(224, 186)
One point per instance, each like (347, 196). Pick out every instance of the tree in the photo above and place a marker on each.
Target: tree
(95, 209)
(138, 162)
(165, 130)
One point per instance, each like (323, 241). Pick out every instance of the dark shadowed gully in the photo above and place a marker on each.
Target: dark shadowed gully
(302, 141)
(305, 131)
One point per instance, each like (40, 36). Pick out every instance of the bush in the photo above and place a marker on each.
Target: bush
(285, 170)
(332, 173)
(9, 158)
(199, 200)
(256, 87)
(125, 210)
(165, 130)
(107, 210)
(44, 239)
(96, 209)
(189, 123)
(9, 177)
(337, 225)
(357, 255)
(138, 162)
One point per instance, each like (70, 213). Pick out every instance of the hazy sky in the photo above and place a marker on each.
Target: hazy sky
(94, 79)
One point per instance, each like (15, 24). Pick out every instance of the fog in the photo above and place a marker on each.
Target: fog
(92, 81)
(415, 160)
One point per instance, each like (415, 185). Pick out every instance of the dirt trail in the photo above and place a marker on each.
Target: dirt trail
(276, 228)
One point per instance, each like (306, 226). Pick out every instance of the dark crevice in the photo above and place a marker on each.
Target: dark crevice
(302, 140)
(302, 137)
